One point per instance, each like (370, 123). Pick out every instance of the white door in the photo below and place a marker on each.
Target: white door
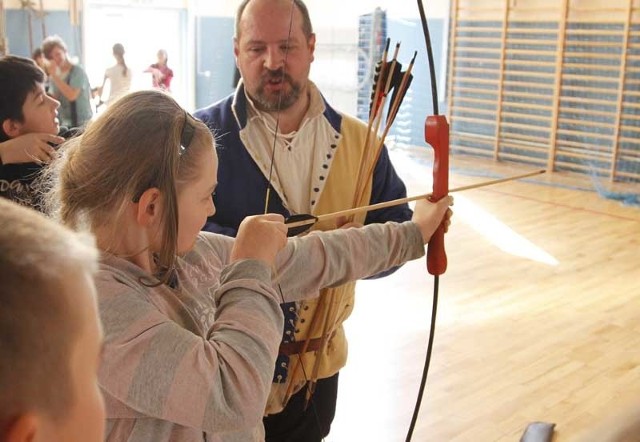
(142, 31)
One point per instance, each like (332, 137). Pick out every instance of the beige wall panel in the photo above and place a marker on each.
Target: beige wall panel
(609, 16)
(598, 5)
(481, 4)
(545, 15)
(479, 14)
(540, 4)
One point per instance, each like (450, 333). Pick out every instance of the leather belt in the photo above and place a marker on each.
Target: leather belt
(295, 348)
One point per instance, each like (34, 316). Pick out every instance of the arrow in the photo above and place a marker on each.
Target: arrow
(304, 220)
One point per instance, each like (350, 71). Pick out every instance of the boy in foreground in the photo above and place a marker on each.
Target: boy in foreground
(50, 335)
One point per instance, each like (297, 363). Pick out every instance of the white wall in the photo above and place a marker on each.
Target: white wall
(335, 23)
(325, 10)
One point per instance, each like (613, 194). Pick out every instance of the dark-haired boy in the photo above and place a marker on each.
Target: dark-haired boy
(28, 128)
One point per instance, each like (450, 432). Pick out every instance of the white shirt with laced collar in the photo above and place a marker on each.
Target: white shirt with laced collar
(302, 158)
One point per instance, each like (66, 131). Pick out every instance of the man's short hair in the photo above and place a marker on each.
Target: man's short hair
(18, 77)
(38, 325)
(50, 43)
(307, 28)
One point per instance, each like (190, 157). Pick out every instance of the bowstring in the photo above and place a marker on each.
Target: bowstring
(266, 206)
(436, 279)
(278, 110)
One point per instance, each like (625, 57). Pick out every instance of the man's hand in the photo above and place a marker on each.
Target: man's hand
(428, 216)
(29, 148)
(260, 237)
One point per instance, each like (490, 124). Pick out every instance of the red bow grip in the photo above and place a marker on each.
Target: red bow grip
(436, 133)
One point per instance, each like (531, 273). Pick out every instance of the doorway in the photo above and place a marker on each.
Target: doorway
(143, 30)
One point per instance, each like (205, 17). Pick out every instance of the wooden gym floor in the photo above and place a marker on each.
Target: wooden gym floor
(538, 319)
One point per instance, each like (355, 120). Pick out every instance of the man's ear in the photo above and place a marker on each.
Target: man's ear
(24, 429)
(312, 45)
(236, 49)
(149, 207)
(11, 127)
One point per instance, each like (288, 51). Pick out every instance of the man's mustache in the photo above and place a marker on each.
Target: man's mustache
(278, 74)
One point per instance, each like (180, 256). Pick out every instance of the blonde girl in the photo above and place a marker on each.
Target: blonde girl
(119, 76)
(191, 320)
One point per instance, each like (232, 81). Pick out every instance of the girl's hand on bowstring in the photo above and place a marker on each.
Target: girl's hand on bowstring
(260, 237)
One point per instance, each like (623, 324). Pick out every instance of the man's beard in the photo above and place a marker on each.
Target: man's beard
(280, 100)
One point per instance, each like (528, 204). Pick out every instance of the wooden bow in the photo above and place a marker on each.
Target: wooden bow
(437, 135)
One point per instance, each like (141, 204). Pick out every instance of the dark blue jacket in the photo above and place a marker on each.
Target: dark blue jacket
(242, 186)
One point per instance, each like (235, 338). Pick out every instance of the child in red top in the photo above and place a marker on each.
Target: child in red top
(161, 73)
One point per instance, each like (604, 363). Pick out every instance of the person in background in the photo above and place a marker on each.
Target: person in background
(161, 74)
(119, 76)
(191, 319)
(316, 154)
(41, 61)
(69, 84)
(38, 57)
(50, 334)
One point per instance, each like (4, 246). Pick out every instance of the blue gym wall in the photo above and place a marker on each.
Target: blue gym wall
(56, 22)
(215, 64)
